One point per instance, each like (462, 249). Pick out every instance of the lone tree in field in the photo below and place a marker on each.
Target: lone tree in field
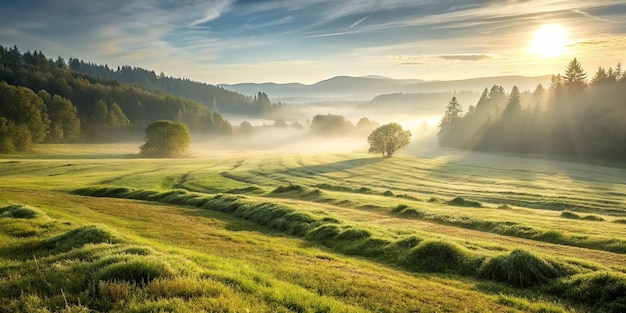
(388, 139)
(165, 139)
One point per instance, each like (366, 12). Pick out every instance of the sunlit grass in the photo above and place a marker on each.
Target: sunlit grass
(384, 212)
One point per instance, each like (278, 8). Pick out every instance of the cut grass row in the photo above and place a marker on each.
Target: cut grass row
(518, 268)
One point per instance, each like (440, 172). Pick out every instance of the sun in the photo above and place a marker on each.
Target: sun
(550, 41)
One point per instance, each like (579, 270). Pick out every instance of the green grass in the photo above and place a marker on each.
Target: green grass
(308, 233)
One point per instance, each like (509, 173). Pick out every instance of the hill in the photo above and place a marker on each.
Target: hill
(42, 96)
(368, 87)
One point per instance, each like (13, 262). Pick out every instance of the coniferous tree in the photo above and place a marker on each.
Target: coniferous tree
(575, 75)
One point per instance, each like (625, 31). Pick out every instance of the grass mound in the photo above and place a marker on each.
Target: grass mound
(620, 221)
(458, 201)
(603, 292)
(407, 212)
(76, 238)
(20, 211)
(250, 189)
(137, 270)
(440, 257)
(570, 215)
(593, 218)
(290, 188)
(325, 186)
(520, 268)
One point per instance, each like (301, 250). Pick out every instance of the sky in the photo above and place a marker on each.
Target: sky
(228, 41)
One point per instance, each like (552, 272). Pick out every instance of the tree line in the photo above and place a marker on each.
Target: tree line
(574, 116)
(42, 100)
(216, 98)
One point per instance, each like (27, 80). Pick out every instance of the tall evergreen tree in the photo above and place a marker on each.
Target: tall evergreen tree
(575, 75)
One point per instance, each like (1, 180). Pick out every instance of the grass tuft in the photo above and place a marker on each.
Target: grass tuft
(20, 211)
(570, 215)
(458, 201)
(520, 268)
(440, 257)
(593, 218)
(138, 270)
(603, 291)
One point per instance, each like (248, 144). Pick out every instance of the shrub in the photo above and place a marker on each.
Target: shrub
(20, 211)
(520, 268)
(458, 201)
(438, 256)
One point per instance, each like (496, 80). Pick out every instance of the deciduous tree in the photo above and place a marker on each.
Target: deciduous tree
(388, 139)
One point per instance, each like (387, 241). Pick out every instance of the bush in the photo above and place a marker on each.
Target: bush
(438, 256)
(20, 211)
(520, 268)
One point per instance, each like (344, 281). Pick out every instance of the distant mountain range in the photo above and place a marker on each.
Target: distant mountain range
(367, 87)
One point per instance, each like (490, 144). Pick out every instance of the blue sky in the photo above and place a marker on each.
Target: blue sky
(227, 41)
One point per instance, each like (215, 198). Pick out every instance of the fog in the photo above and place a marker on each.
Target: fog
(267, 138)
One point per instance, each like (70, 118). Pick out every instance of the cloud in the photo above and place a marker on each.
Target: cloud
(465, 57)
(410, 63)
(213, 11)
(359, 21)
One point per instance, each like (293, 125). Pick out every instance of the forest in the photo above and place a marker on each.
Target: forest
(46, 101)
(575, 116)
(216, 98)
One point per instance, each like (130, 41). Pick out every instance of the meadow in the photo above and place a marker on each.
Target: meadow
(94, 228)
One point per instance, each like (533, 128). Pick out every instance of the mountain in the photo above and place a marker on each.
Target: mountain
(366, 87)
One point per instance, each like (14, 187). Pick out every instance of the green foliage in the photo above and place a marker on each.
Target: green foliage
(330, 125)
(388, 139)
(101, 108)
(166, 139)
(23, 118)
(571, 119)
(520, 268)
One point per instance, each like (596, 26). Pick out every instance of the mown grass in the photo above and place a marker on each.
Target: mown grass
(517, 229)
(336, 203)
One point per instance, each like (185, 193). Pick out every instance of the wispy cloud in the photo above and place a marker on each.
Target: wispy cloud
(465, 57)
(358, 22)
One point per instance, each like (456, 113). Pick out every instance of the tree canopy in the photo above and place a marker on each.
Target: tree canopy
(572, 117)
(165, 139)
(388, 139)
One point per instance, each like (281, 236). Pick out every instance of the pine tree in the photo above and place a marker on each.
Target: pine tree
(513, 106)
(575, 75)
(453, 113)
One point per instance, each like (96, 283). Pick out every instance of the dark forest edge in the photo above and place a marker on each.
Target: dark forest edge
(575, 117)
(47, 101)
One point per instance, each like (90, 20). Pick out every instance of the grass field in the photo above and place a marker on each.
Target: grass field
(91, 228)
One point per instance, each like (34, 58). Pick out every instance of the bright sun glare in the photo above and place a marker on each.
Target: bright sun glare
(550, 40)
